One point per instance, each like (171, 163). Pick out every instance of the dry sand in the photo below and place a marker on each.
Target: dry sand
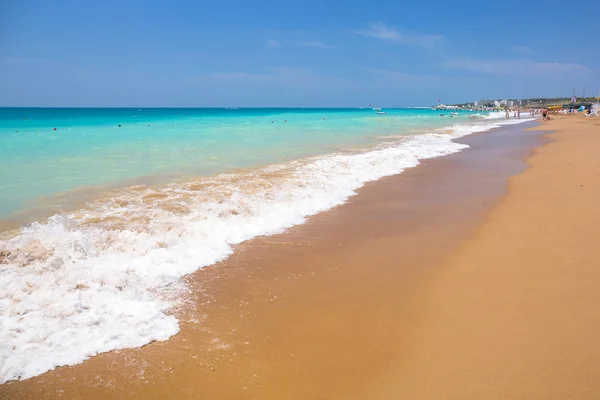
(515, 312)
(435, 284)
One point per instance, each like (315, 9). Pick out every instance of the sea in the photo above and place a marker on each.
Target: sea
(105, 209)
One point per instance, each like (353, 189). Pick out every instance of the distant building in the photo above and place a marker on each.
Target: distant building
(483, 103)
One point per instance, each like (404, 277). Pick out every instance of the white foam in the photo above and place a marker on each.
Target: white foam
(496, 115)
(103, 278)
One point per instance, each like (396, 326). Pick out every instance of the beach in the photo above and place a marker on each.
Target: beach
(512, 312)
(102, 267)
(236, 200)
(470, 276)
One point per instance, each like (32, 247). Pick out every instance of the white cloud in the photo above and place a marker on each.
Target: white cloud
(516, 67)
(273, 43)
(316, 44)
(381, 31)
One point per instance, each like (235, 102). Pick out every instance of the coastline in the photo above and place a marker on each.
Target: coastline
(96, 151)
(291, 299)
(135, 248)
(242, 202)
(512, 313)
(69, 200)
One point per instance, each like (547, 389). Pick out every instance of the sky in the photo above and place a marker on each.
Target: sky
(319, 53)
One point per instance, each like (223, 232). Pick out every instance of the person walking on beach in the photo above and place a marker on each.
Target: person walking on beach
(544, 113)
(507, 113)
(518, 113)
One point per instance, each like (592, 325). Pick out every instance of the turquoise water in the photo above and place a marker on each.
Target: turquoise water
(95, 272)
(88, 148)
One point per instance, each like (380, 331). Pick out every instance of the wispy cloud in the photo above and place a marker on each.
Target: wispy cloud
(274, 74)
(273, 43)
(516, 67)
(523, 50)
(316, 44)
(381, 31)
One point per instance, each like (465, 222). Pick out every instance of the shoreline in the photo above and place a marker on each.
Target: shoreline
(111, 151)
(234, 293)
(69, 200)
(136, 247)
(512, 312)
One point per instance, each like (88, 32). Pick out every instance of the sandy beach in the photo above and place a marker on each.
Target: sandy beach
(513, 312)
(468, 277)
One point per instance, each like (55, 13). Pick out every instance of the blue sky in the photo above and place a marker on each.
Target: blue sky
(291, 53)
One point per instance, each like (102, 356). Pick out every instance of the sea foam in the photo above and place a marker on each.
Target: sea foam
(104, 277)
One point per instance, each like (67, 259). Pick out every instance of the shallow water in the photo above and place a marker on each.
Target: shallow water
(104, 275)
(94, 147)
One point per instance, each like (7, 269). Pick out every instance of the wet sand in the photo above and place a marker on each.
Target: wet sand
(393, 295)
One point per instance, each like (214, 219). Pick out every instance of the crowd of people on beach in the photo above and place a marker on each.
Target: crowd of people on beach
(586, 110)
(516, 112)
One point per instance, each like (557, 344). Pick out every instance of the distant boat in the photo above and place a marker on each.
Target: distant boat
(454, 113)
(376, 109)
(381, 112)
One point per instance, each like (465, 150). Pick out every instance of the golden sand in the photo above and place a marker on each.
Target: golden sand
(514, 312)
(424, 286)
